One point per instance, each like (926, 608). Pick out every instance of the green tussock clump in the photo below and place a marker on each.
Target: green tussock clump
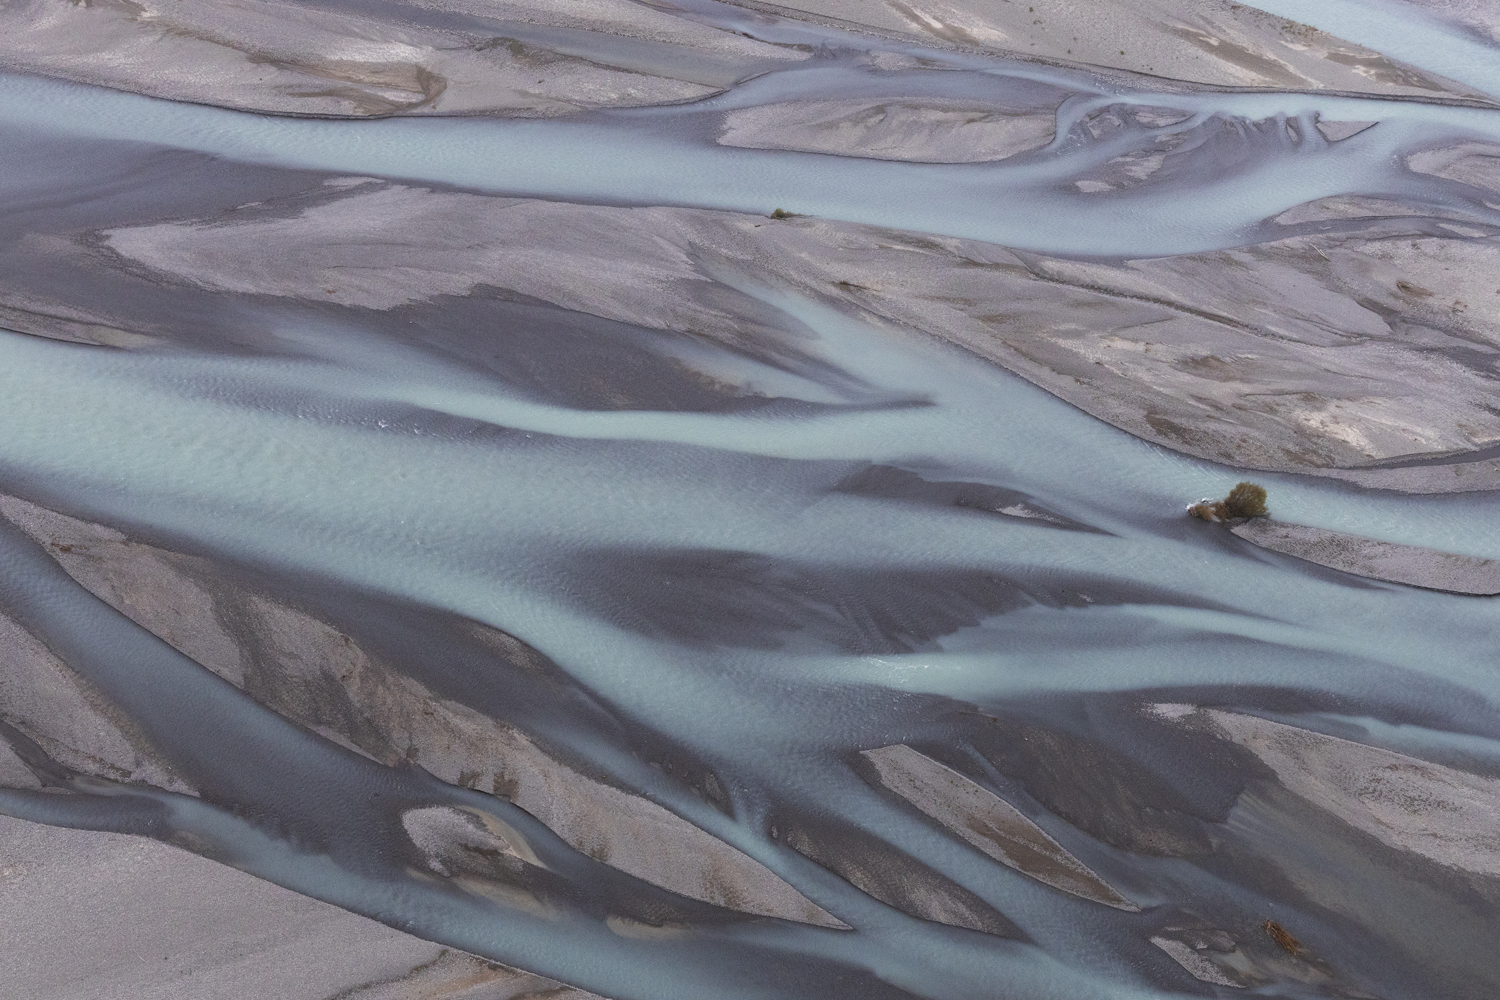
(1245, 500)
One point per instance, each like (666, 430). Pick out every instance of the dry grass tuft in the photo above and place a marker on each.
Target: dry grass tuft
(1245, 500)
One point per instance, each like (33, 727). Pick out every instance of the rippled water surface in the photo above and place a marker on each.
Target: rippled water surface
(761, 593)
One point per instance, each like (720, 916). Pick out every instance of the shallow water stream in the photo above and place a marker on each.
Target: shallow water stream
(712, 589)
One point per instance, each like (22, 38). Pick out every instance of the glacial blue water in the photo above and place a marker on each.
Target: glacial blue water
(1413, 32)
(310, 466)
(640, 158)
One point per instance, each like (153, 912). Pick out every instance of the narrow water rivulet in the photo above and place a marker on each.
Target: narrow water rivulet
(704, 569)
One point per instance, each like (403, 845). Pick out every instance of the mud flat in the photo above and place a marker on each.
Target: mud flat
(1352, 354)
(1412, 565)
(312, 673)
(459, 557)
(1350, 336)
(529, 58)
(1436, 812)
(116, 917)
(53, 722)
(543, 58)
(988, 822)
(1477, 15)
(951, 131)
(1217, 43)
(1412, 825)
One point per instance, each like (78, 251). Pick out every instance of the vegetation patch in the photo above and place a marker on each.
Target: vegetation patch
(1246, 500)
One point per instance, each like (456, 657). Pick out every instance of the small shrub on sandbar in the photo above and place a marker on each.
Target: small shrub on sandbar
(1245, 500)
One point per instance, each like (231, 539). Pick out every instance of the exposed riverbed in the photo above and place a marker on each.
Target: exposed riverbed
(508, 530)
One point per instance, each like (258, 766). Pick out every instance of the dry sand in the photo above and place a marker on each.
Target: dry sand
(1368, 557)
(312, 673)
(519, 58)
(1328, 353)
(930, 131)
(1210, 42)
(106, 916)
(988, 822)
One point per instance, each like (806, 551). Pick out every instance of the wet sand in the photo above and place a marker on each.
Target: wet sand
(524, 534)
(1336, 353)
(1368, 557)
(162, 923)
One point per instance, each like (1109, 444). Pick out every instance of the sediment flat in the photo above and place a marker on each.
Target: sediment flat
(989, 823)
(116, 917)
(526, 58)
(312, 673)
(630, 659)
(1321, 353)
(1369, 557)
(1215, 42)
